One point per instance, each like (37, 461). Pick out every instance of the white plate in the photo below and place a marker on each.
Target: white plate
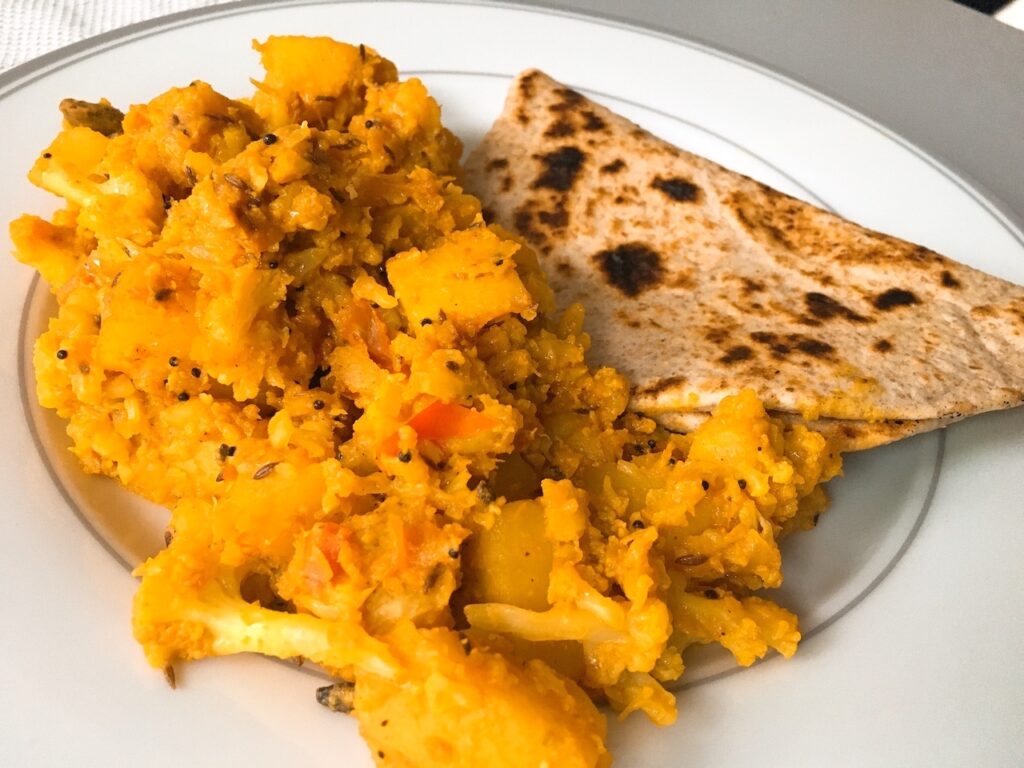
(909, 591)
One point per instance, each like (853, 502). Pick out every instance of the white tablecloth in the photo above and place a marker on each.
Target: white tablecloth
(30, 28)
(1013, 14)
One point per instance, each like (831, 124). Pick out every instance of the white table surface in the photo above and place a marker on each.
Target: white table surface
(30, 28)
(1013, 14)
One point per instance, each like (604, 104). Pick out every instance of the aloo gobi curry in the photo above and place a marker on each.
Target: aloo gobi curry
(383, 452)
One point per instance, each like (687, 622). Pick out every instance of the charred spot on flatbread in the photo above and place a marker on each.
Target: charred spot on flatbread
(983, 310)
(683, 280)
(631, 268)
(825, 307)
(777, 346)
(736, 354)
(614, 166)
(678, 189)
(782, 346)
(765, 220)
(561, 168)
(815, 347)
(627, 319)
(559, 129)
(948, 281)
(497, 163)
(716, 335)
(751, 286)
(918, 253)
(556, 219)
(895, 297)
(523, 221)
(592, 122)
(660, 385)
(882, 345)
(526, 84)
(568, 99)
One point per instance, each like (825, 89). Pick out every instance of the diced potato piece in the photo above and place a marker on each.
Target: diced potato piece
(148, 318)
(471, 276)
(312, 66)
(740, 430)
(66, 167)
(511, 562)
(315, 77)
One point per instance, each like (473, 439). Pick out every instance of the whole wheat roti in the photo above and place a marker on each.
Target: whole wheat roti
(699, 281)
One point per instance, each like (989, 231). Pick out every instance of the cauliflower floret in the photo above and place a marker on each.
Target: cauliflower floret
(746, 626)
(188, 606)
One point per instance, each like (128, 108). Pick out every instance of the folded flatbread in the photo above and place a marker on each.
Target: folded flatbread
(699, 282)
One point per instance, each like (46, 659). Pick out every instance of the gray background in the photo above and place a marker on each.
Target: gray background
(946, 78)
